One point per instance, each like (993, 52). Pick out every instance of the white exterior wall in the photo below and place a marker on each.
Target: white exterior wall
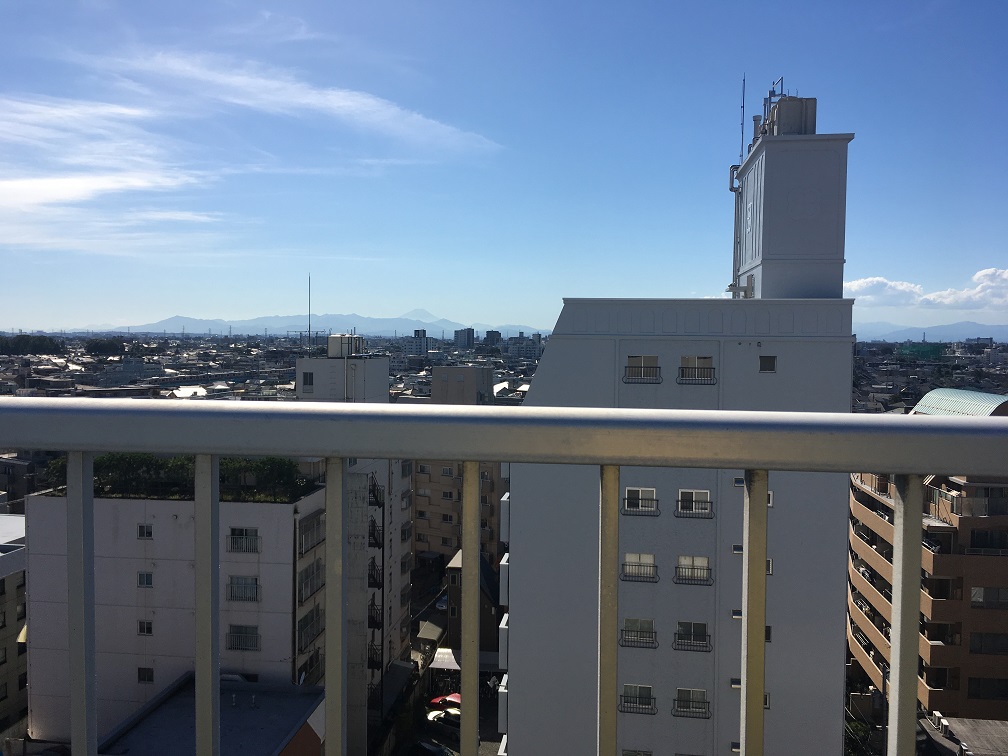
(554, 534)
(169, 604)
(339, 379)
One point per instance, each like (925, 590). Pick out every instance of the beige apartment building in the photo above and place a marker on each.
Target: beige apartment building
(437, 484)
(963, 663)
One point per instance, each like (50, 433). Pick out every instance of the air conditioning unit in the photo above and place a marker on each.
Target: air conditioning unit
(964, 750)
(935, 718)
(944, 728)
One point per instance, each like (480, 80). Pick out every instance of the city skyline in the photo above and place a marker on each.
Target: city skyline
(204, 160)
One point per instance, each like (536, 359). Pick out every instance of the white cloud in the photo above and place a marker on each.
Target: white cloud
(990, 292)
(271, 90)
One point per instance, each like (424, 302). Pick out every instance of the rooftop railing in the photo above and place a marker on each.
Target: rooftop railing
(910, 447)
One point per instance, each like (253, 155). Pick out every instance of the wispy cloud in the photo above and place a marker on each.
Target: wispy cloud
(272, 90)
(989, 292)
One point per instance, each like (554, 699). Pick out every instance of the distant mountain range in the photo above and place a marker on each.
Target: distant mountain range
(404, 325)
(951, 332)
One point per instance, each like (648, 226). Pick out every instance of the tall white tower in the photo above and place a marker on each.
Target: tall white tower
(783, 343)
(790, 206)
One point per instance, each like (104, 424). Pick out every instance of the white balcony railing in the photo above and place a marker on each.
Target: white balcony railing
(908, 447)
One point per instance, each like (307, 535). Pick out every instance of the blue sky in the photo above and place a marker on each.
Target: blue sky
(479, 160)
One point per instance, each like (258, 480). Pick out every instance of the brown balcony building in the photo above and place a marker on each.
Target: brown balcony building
(963, 660)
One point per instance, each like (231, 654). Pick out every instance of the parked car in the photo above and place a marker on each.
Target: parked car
(450, 701)
(446, 722)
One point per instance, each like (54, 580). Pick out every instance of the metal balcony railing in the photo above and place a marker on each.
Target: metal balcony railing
(638, 638)
(242, 642)
(703, 376)
(685, 707)
(375, 532)
(374, 656)
(244, 544)
(376, 492)
(374, 575)
(636, 572)
(374, 615)
(692, 642)
(908, 447)
(642, 374)
(640, 507)
(243, 592)
(638, 704)
(693, 575)
(697, 510)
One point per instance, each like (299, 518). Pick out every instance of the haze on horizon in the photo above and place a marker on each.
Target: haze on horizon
(481, 162)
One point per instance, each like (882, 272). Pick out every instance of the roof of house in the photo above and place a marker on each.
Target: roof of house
(949, 401)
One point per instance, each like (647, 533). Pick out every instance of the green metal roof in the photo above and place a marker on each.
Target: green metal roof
(949, 401)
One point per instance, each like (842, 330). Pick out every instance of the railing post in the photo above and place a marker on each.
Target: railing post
(754, 536)
(908, 501)
(609, 501)
(80, 603)
(469, 743)
(207, 605)
(335, 616)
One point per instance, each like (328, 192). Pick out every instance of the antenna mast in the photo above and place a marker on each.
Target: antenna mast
(741, 148)
(309, 312)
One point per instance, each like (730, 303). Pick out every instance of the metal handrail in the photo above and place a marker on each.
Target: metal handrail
(782, 441)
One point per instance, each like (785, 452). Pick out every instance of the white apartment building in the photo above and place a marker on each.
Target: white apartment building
(145, 601)
(381, 666)
(783, 342)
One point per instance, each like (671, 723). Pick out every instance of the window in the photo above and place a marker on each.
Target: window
(693, 570)
(145, 627)
(145, 531)
(694, 504)
(769, 633)
(243, 588)
(453, 578)
(449, 495)
(422, 514)
(243, 637)
(447, 518)
(447, 472)
(736, 683)
(446, 541)
(145, 579)
(453, 611)
(405, 468)
(697, 370)
(990, 688)
(739, 482)
(145, 675)
(766, 700)
(423, 492)
(3, 586)
(642, 369)
(244, 541)
(767, 363)
(307, 382)
(638, 633)
(640, 501)
(423, 469)
(639, 567)
(638, 699)
(691, 702)
(988, 643)
(988, 598)
(3, 619)
(736, 614)
(21, 610)
(421, 537)
(484, 499)
(634, 752)
(737, 548)
(692, 636)
(769, 566)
